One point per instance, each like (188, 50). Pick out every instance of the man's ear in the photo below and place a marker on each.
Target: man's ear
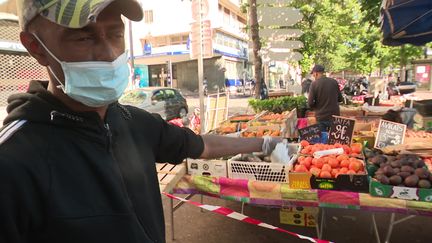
(34, 47)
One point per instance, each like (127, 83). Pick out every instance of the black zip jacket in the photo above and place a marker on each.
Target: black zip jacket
(71, 177)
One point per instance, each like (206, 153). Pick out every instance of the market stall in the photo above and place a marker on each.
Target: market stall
(362, 163)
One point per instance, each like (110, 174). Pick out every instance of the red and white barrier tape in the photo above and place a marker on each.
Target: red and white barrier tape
(243, 218)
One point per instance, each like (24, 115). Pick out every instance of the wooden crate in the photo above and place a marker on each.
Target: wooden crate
(169, 175)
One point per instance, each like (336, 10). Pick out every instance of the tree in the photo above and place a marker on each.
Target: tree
(387, 56)
(328, 27)
(256, 43)
(346, 35)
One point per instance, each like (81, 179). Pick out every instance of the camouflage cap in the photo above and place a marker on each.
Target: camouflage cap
(73, 13)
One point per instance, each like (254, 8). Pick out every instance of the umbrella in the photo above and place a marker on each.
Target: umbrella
(406, 22)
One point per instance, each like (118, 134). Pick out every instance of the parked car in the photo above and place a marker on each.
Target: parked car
(167, 102)
(407, 87)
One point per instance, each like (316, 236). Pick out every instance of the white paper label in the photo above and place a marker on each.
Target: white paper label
(322, 153)
(405, 193)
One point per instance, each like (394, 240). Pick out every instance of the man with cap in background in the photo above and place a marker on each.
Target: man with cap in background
(324, 97)
(75, 165)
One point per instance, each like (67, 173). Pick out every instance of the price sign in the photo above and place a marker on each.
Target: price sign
(390, 133)
(341, 130)
(312, 134)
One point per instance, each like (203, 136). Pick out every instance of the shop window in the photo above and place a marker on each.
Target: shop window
(148, 16)
(160, 41)
(175, 40)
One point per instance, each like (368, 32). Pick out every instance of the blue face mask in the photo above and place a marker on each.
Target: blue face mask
(93, 83)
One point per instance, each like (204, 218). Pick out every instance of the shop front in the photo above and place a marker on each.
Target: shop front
(422, 74)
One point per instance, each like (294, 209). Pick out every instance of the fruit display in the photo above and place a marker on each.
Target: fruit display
(330, 166)
(273, 117)
(242, 118)
(260, 132)
(227, 128)
(354, 150)
(259, 124)
(407, 170)
(418, 134)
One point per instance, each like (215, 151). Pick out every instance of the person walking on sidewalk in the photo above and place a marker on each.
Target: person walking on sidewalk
(324, 97)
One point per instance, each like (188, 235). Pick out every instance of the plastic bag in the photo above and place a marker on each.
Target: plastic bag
(281, 153)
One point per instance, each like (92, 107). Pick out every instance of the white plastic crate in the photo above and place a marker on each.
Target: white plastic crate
(262, 171)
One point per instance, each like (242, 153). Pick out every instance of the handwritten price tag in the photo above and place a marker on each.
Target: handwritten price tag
(341, 130)
(390, 133)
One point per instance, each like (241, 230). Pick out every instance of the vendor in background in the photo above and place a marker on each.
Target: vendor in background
(324, 97)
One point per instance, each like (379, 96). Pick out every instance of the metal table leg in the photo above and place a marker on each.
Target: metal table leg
(173, 209)
(390, 229)
(242, 207)
(172, 218)
(320, 225)
(392, 223)
(378, 238)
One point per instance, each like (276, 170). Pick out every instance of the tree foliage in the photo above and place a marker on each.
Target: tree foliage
(345, 35)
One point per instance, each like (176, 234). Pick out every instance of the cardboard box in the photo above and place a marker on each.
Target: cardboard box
(299, 216)
(217, 168)
(351, 183)
(364, 127)
(378, 189)
(364, 137)
(258, 128)
(407, 193)
(344, 182)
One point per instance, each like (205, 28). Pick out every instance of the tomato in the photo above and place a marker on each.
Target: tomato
(304, 143)
(325, 174)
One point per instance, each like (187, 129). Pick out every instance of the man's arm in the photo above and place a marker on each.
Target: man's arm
(219, 146)
(311, 98)
(340, 97)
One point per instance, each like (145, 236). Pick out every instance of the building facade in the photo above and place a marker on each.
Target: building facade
(422, 74)
(162, 43)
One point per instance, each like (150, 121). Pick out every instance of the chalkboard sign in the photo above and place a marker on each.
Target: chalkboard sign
(312, 134)
(390, 133)
(341, 130)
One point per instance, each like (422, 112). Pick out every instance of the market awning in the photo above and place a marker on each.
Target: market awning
(406, 22)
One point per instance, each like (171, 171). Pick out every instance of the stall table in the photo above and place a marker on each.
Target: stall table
(281, 195)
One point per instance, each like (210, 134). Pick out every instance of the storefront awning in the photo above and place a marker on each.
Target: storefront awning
(406, 22)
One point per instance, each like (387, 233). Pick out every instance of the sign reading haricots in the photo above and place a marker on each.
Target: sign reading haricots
(390, 133)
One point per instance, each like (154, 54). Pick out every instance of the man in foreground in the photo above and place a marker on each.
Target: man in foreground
(324, 97)
(75, 165)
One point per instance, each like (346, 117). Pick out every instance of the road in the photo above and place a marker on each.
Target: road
(236, 104)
